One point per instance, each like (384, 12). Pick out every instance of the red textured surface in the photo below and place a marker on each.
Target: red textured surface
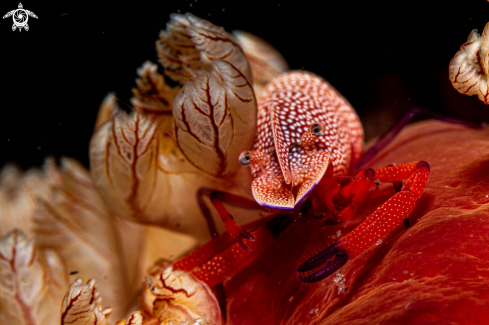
(436, 272)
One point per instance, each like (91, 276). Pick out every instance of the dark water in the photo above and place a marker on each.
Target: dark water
(385, 57)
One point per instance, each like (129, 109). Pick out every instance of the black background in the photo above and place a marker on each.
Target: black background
(384, 56)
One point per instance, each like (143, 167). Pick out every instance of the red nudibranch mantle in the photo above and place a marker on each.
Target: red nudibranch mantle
(434, 272)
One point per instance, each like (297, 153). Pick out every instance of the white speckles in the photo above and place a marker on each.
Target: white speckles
(340, 281)
(289, 106)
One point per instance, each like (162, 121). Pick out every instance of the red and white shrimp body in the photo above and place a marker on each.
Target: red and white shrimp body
(304, 125)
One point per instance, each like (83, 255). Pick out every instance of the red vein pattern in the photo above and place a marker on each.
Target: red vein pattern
(215, 114)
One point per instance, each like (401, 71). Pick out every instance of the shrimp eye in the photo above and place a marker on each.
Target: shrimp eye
(317, 129)
(244, 158)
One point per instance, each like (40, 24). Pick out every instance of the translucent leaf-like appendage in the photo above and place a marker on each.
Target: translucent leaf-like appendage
(124, 164)
(469, 68)
(177, 296)
(153, 95)
(73, 220)
(176, 49)
(82, 305)
(32, 282)
(215, 43)
(266, 62)
(191, 43)
(215, 116)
